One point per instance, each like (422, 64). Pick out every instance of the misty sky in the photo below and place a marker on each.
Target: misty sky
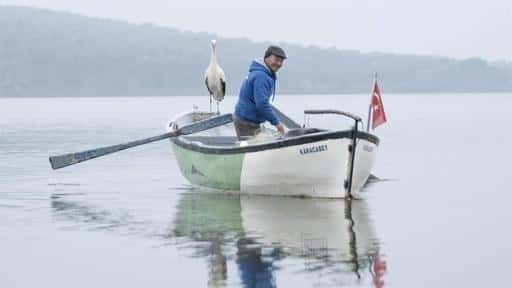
(461, 29)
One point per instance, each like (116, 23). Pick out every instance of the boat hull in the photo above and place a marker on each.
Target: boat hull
(318, 169)
(210, 170)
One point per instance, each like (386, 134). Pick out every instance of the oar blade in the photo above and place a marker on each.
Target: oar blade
(74, 158)
(62, 160)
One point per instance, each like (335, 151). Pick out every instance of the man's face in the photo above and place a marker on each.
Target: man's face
(274, 62)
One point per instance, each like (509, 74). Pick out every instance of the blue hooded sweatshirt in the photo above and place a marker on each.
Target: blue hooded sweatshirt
(253, 101)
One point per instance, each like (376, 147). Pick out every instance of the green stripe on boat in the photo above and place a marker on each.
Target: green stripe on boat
(211, 170)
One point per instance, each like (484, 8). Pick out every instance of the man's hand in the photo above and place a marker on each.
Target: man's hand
(280, 127)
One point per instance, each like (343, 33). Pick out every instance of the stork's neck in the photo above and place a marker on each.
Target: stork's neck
(213, 59)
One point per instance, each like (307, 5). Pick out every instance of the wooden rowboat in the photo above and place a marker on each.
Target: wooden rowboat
(303, 162)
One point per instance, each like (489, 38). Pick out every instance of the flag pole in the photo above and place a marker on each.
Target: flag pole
(369, 114)
(370, 105)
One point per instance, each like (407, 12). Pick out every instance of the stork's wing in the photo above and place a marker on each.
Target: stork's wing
(223, 87)
(207, 87)
(223, 81)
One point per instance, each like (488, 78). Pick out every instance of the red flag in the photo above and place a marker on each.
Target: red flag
(378, 114)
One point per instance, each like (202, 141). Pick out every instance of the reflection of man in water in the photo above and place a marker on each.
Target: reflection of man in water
(254, 272)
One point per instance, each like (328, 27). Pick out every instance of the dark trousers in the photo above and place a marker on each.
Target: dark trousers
(245, 129)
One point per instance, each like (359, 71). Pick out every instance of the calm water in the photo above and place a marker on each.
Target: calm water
(441, 218)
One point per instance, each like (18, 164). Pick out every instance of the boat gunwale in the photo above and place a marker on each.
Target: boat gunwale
(279, 143)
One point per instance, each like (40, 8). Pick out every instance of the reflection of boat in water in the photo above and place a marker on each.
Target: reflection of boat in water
(338, 230)
(211, 219)
(253, 241)
(327, 237)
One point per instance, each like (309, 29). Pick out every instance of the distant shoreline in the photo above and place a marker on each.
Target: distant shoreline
(46, 53)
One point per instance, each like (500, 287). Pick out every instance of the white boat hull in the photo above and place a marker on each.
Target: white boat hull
(317, 169)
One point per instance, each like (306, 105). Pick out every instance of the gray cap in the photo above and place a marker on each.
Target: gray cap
(275, 50)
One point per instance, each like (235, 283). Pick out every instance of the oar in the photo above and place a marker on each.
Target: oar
(287, 121)
(73, 158)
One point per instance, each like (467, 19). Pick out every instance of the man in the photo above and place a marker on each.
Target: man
(253, 107)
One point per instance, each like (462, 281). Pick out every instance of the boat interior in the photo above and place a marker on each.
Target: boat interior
(225, 135)
(232, 140)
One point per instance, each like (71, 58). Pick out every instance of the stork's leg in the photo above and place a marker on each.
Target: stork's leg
(210, 103)
(218, 110)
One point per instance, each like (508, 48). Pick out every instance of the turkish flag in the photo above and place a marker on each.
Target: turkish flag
(378, 114)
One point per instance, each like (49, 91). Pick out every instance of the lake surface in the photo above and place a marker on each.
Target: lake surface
(440, 218)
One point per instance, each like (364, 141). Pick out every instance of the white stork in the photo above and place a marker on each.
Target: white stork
(215, 79)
